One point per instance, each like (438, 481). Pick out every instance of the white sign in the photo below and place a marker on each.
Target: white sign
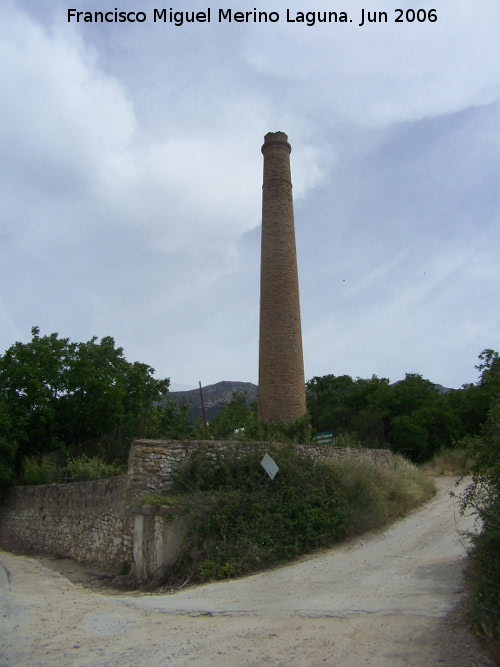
(269, 465)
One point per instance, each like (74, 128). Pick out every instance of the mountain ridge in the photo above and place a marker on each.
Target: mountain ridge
(215, 396)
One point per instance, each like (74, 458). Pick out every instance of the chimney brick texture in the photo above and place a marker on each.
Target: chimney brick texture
(281, 364)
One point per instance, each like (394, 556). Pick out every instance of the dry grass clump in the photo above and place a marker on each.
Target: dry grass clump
(450, 462)
(380, 492)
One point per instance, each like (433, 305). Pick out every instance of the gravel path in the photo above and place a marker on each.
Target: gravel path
(390, 598)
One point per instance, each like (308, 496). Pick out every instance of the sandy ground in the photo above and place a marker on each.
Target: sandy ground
(390, 598)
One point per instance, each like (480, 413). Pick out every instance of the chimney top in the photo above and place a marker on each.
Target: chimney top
(276, 138)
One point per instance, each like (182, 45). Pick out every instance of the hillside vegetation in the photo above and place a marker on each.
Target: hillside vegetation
(242, 521)
(483, 497)
(61, 400)
(411, 417)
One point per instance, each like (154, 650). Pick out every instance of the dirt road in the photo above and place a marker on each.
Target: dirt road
(387, 599)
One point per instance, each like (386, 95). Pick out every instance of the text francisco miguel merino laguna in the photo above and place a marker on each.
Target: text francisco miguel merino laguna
(178, 18)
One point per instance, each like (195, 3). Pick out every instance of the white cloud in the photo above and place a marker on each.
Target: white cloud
(60, 111)
(131, 178)
(385, 73)
(83, 147)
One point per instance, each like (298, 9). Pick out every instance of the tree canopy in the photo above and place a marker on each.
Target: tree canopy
(55, 393)
(411, 416)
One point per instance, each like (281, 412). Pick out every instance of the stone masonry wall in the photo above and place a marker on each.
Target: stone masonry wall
(322, 452)
(86, 521)
(94, 521)
(153, 463)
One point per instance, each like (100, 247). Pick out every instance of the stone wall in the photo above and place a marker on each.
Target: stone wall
(87, 521)
(322, 452)
(94, 521)
(158, 531)
(153, 463)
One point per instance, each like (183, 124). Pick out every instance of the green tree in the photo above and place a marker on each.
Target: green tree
(489, 381)
(54, 393)
(329, 402)
(409, 416)
(489, 366)
(472, 403)
(408, 436)
(341, 404)
(421, 419)
(238, 421)
(468, 406)
(8, 448)
(32, 380)
(234, 415)
(370, 400)
(170, 420)
(411, 394)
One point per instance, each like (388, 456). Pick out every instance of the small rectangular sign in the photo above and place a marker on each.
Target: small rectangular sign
(269, 465)
(324, 437)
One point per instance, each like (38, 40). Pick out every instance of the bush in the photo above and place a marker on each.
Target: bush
(291, 432)
(483, 497)
(483, 577)
(450, 461)
(242, 521)
(41, 470)
(48, 469)
(8, 451)
(83, 469)
(347, 440)
(169, 420)
(237, 421)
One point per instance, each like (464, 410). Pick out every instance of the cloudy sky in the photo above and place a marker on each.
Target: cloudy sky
(131, 174)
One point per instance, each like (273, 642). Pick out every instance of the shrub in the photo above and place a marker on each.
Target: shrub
(483, 497)
(42, 470)
(8, 449)
(450, 461)
(237, 421)
(169, 420)
(347, 440)
(48, 469)
(156, 500)
(83, 468)
(242, 521)
(483, 577)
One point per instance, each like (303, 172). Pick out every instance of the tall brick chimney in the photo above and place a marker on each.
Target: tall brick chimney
(281, 364)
